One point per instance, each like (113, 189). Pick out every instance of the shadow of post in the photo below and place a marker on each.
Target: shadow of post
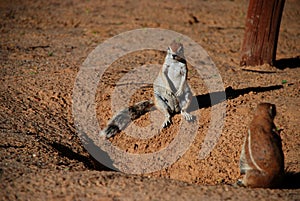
(288, 63)
(204, 101)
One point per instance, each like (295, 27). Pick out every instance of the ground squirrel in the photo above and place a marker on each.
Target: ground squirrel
(262, 159)
(172, 94)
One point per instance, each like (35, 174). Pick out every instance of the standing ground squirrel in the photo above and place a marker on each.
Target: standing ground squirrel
(172, 94)
(262, 159)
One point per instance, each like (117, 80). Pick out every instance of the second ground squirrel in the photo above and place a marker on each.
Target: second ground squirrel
(262, 159)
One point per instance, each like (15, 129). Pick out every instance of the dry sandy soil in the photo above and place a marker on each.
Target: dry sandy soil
(44, 43)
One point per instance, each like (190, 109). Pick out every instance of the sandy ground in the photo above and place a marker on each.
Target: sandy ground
(43, 45)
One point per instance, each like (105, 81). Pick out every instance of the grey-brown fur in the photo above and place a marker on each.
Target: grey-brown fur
(122, 119)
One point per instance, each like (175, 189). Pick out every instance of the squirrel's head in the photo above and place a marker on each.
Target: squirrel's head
(266, 109)
(175, 51)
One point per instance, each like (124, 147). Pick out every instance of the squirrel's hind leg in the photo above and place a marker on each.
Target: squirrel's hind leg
(162, 106)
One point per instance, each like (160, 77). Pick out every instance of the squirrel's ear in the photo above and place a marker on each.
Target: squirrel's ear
(168, 50)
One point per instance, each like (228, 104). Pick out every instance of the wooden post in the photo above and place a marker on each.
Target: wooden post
(261, 32)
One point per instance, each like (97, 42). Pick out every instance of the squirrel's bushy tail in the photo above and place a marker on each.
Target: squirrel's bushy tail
(121, 120)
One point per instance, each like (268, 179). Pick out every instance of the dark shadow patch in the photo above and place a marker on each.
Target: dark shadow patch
(208, 100)
(88, 161)
(291, 180)
(234, 93)
(287, 63)
(259, 71)
(12, 146)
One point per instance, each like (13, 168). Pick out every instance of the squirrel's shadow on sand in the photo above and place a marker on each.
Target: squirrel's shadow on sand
(291, 180)
(211, 99)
